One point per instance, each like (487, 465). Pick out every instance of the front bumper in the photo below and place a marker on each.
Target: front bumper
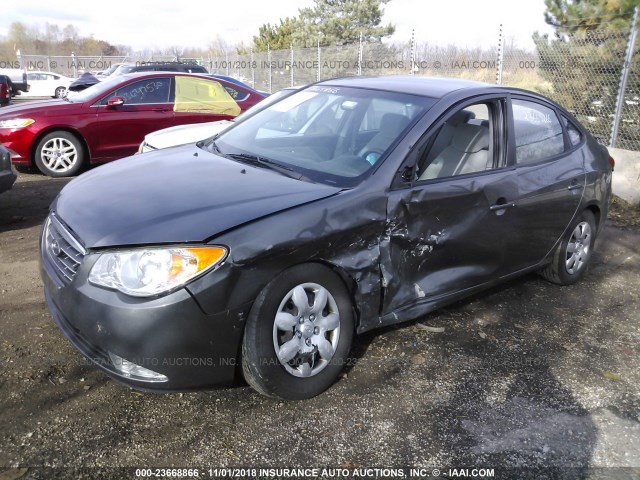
(169, 335)
(19, 141)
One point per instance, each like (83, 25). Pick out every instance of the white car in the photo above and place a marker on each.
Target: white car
(181, 135)
(192, 133)
(46, 84)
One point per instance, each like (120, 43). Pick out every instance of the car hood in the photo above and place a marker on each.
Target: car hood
(44, 107)
(179, 195)
(183, 134)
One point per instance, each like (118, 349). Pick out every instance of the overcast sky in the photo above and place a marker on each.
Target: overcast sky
(165, 23)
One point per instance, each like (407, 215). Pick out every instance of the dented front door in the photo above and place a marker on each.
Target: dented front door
(446, 236)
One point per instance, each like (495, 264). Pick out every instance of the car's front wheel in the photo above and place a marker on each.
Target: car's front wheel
(298, 334)
(59, 154)
(571, 258)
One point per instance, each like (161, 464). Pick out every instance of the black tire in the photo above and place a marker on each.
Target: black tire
(59, 154)
(567, 267)
(261, 366)
(59, 93)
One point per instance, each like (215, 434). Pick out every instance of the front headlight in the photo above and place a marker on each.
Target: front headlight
(16, 123)
(145, 272)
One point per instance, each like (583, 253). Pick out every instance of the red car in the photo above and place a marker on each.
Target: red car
(109, 120)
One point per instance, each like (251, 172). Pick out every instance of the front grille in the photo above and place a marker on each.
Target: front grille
(63, 250)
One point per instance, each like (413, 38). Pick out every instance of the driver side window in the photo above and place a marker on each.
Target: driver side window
(152, 90)
(461, 145)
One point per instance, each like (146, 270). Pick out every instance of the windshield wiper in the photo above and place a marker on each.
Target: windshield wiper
(265, 163)
(212, 147)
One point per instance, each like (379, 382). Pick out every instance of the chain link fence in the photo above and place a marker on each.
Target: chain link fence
(75, 65)
(581, 72)
(594, 74)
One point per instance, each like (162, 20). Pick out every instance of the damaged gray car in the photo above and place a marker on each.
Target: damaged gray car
(352, 204)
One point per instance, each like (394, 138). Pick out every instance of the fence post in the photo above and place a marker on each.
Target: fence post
(412, 52)
(318, 69)
(253, 71)
(500, 57)
(269, 61)
(360, 56)
(75, 64)
(291, 65)
(624, 77)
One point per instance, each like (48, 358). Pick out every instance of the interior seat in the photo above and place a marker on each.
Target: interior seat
(467, 152)
(443, 139)
(391, 124)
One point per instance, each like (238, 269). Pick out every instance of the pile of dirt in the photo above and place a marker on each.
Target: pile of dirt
(624, 215)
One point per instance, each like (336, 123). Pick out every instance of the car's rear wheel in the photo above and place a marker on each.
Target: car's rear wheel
(59, 154)
(571, 258)
(59, 93)
(298, 334)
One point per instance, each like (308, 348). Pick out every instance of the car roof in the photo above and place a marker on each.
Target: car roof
(156, 73)
(435, 87)
(160, 73)
(44, 71)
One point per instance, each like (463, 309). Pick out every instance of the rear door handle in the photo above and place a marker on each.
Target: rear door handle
(574, 186)
(159, 109)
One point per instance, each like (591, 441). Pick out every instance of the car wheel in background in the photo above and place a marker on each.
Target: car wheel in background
(298, 334)
(59, 92)
(59, 154)
(571, 258)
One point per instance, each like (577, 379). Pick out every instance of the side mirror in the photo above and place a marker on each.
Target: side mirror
(114, 102)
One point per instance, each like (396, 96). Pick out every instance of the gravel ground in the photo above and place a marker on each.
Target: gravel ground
(523, 376)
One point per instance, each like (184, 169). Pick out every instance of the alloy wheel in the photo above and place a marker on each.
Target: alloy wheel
(578, 248)
(59, 155)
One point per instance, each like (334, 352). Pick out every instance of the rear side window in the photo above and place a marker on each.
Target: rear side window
(575, 137)
(203, 95)
(237, 94)
(537, 131)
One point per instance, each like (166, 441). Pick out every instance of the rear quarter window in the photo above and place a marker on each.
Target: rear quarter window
(575, 136)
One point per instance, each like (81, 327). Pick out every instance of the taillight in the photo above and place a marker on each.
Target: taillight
(4, 91)
(612, 162)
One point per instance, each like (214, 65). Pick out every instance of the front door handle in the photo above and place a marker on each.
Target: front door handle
(574, 186)
(160, 109)
(501, 206)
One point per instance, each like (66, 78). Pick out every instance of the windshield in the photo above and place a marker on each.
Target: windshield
(111, 69)
(333, 135)
(95, 90)
(122, 69)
